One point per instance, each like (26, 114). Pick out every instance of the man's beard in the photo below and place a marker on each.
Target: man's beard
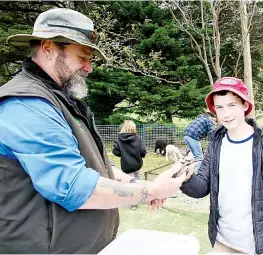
(74, 84)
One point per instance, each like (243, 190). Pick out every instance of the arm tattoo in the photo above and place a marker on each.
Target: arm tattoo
(144, 195)
(118, 179)
(121, 191)
(117, 188)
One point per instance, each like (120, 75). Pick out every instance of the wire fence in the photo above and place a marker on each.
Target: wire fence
(149, 133)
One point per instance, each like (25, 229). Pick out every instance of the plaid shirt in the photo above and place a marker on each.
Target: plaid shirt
(199, 127)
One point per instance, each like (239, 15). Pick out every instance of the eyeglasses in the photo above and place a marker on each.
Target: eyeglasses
(91, 35)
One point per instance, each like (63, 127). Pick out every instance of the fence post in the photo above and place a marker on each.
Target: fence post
(143, 134)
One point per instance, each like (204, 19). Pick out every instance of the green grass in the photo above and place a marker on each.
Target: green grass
(150, 162)
(178, 221)
(181, 215)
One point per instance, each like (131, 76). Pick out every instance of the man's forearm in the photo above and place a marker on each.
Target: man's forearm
(111, 194)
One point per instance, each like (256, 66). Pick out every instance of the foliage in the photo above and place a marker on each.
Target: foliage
(151, 67)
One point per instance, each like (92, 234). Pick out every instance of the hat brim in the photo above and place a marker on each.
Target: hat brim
(21, 41)
(210, 103)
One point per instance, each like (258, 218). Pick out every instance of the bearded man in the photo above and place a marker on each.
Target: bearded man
(58, 191)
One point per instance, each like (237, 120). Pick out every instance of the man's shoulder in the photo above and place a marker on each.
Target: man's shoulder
(20, 100)
(29, 113)
(25, 85)
(22, 105)
(22, 84)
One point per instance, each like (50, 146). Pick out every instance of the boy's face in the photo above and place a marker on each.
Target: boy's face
(230, 110)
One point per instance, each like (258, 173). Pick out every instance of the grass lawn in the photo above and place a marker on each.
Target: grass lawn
(182, 215)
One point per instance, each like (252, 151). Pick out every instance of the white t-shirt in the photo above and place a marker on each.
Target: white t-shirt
(235, 227)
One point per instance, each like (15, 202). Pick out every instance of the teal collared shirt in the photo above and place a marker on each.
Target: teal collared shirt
(36, 134)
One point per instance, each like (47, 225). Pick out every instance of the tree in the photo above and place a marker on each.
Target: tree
(196, 22)
(246, 51)
(152, 63)
(202, 29)
(17, 17)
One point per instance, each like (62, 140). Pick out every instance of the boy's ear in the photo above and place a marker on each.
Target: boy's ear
(246, 106)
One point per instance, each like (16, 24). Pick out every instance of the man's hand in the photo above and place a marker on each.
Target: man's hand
(169, 173)
(165, 185)
(190, 171)
(187, 169)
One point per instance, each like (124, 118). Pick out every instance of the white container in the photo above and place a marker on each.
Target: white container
(224, 253)
(144, 242)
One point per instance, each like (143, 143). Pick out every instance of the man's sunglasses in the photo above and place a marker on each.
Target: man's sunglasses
(91, 35)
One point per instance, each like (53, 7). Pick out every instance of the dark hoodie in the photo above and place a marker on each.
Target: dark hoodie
(129, 147)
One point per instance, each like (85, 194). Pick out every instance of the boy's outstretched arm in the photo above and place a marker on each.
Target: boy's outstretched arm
(198, 186)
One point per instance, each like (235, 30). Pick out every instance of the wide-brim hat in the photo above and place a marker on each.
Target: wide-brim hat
(231, 84)
(60, 25)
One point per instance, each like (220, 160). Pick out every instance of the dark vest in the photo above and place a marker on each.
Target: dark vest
(28, 222)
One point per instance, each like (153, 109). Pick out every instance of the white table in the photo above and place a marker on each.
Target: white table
(144, 242)
(223, 253)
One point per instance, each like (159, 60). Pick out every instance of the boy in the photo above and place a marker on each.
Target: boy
(232, 172)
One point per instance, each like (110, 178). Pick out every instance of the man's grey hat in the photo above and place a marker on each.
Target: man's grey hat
(60, 25)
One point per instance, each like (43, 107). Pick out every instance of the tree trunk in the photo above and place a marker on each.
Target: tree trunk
(168, 117)
(216, 35)
(246, 52)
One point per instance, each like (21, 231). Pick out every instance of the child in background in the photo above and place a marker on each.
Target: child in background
(129, 148)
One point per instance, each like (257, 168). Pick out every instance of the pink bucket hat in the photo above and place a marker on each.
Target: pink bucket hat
(232, 84)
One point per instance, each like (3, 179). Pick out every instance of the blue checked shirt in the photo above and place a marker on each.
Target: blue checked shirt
(36, 134)
(199, 127)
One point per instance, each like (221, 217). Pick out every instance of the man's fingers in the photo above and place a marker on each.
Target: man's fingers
(157, 204)
(190, 171)
(169, 173)
(174, 169)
